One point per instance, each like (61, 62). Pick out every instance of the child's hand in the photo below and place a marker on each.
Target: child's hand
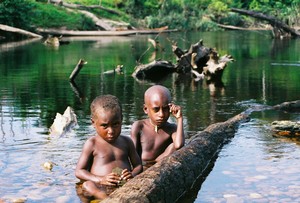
(126, 175)
(175, 110)
(111, 179)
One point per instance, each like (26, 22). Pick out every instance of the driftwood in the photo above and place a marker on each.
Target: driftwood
(201, 61)
(77, 69)
(230, 27)
(289, 106)
(52, 41)
(168, 180)
(153, 71)
(117, 70)
(215, 66)
(7, 28)
(59, 32)
(280, 29)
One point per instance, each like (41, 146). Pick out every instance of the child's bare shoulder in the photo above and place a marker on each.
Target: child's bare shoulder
(91, 140)
(124, 138)
(139, 124)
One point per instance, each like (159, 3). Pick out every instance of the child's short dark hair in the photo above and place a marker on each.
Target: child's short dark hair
(106, 102)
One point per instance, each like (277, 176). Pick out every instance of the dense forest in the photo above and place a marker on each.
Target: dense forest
(204, 15)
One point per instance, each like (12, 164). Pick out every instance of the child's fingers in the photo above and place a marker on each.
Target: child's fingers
(126, 175)
(112, 179)
(175, 110)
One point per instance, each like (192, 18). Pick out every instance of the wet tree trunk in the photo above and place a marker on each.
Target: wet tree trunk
(279, 27)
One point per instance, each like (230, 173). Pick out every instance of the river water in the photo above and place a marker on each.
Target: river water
(253, 166)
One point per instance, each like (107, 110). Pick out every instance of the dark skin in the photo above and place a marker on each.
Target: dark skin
(154, 137)
(104, 152)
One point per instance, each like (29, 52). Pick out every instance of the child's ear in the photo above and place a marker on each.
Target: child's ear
(145, 109)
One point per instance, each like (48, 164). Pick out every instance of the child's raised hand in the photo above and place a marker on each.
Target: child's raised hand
(126, 175)
(175, 110)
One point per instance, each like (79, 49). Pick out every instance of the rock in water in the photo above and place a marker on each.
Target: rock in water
(63, 123)
(286, 128)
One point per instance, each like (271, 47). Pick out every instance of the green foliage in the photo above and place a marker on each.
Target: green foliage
(141, 8)
(16, 13)
(232, 19)
(48, 15)
(176, 14)
(218, 8)
(207, 25)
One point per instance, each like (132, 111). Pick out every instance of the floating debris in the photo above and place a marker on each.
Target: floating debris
(48, 165)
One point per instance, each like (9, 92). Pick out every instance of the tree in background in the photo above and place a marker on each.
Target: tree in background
(16, 13)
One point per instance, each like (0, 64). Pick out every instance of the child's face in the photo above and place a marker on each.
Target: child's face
(108, 124)
(157, 108)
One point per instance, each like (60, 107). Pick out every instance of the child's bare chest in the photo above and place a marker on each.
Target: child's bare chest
(155, 140)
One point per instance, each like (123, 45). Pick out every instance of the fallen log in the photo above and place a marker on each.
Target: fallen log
(58, 32)
(7, 28)
(278, 26)
(153, 71)
(201, 61)
(230, 27)
(289, 106)
(169, 179)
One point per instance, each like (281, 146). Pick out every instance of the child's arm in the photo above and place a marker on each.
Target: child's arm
(135, 162)
(135, 159)
(84, 164)
(178, 136)
(135, 136)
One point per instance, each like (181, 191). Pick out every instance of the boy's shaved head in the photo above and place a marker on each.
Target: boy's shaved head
(157, 89)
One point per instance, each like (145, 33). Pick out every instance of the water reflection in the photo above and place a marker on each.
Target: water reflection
(254, 167)
(34, 86)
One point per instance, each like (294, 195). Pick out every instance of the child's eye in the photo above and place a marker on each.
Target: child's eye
(156, 109)
(116, 124)
(104, 126)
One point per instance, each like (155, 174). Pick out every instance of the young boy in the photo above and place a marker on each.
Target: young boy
(154, 137)
(107, 151)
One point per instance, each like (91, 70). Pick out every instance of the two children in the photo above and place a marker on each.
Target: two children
(151, 140)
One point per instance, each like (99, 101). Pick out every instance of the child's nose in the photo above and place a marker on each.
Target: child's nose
(110, 130)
